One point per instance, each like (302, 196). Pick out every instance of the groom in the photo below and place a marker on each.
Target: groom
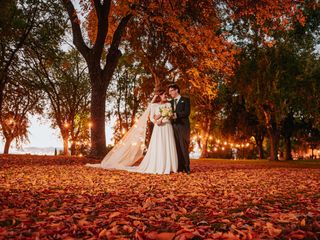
(181, 127)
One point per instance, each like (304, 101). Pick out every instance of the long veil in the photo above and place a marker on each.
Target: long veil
(129, 149)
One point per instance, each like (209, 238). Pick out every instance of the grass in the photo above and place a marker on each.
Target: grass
(301, 163)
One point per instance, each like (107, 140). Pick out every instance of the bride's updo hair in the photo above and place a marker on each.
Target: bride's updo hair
(159, 92)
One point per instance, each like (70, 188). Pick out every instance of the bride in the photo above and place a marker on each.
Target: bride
(161, 156)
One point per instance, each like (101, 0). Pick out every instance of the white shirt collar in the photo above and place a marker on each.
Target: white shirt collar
(178, 97)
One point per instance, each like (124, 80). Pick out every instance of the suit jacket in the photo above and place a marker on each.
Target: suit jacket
(182, 111)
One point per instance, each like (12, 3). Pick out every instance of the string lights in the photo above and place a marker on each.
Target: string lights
(222, 145)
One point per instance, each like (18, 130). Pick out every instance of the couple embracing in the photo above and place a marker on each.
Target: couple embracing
(168, 149)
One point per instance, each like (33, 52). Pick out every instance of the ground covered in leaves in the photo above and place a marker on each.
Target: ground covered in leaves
(60, 198)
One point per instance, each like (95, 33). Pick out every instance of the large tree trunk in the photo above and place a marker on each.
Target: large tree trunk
(259, 136)
(272, 130)
(287, 131)
(274, 137)
(65, 145)
(287, 153)
(98, 137)
(7, 146)
(204, 144)
(260, 148)
(205, 137)
(73, 148)
(312, 155)
(65, 138)
(99, 78)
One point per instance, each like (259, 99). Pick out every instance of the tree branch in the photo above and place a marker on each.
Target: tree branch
(114, 53)
(97, 5)
(76, 30)
(102, 12)
(19, 44)
(118, 33)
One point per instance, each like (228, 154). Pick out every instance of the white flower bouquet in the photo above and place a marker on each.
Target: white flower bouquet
(166, 112)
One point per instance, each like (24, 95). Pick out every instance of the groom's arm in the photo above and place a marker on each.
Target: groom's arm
(185, 112)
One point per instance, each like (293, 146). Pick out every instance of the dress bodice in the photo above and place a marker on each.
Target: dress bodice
(155, 110)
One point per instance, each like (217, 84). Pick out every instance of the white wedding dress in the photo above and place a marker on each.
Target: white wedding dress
(161, 156)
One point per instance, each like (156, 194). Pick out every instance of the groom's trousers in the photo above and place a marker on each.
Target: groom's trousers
(182, 138)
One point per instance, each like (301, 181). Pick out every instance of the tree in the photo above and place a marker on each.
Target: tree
(80, 132)
(100, 77)
(241, 121)
(23, 23)
(205, 112)
(275, 74)
(14, 126)
(178, 41)
(63, 77)
(20, 101)
(265, 80)
(287, 129)
(191, 27)
(306, 136)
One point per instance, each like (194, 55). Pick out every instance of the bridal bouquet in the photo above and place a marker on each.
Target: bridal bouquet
(166, 112)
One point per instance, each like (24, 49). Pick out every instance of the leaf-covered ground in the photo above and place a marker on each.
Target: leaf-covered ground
(60, 198)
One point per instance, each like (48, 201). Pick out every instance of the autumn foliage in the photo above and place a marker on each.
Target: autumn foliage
(60, 198)
(194, 37)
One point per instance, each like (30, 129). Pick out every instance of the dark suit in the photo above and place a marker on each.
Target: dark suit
(181, 129)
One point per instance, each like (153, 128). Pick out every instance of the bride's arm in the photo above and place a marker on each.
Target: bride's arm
(154, 118)
(154, 98)
(152, 113)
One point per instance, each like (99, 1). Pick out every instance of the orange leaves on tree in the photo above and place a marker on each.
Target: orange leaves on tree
(182, 32)
(188, 34)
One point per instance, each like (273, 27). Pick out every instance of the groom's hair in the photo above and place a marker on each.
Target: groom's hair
(174, 86)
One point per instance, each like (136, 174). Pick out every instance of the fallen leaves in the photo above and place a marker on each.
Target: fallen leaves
(273, 231)
(46, 197)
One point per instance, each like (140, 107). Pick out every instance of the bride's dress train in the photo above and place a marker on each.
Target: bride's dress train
(161, 156)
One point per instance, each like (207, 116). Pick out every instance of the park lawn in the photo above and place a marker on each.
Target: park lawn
(308, 163)
(60, 198)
